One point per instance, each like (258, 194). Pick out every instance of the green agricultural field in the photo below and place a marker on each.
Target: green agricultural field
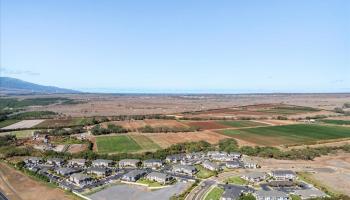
(8, 122)
(289, 110)
(241, 123)
(215, 194)
(289, 134)
(145, 143)
(336, 122)
(20, 134)
(117, 144)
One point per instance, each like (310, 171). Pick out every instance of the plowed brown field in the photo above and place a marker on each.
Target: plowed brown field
(166, 139)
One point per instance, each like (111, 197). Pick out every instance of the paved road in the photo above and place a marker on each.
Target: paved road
(199, 192)
(3, 197)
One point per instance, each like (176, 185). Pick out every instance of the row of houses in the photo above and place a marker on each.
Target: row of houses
(152, 163)
(208, 160)
(136, 174)
(278, 175)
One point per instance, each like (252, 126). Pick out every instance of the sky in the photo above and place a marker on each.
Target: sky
(233, 46)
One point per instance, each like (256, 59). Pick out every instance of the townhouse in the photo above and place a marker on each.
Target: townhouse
(102, 163)
(283, 174)
(211, 166)
(159, 177)
(153, 163)
(77, 162)
(133, 175)
(129, 163)
(185, 169)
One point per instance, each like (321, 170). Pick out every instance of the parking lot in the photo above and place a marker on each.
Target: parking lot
(133, 192)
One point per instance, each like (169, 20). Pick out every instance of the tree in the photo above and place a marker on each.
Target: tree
(247, 197)
(228, 145)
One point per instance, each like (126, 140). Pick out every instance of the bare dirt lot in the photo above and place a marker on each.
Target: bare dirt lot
(166, 139)
(17, 186)
(106, 105)
(332, 171)
(76, 148)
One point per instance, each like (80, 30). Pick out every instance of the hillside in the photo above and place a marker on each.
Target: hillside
(15, 86)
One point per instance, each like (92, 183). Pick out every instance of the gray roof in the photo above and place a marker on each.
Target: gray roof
(102, 161)
(158, 175)
(77, 161)
(211, 164)
(80, 176)
(175, 156)
(152, 161)
(234, 191)
(271, 193)
(66, 170)
(184, 167)
(234, 162)
(281, 183)
(133, 161)
(134, 173)
(55, 159)
(254, 175)
(98, 170)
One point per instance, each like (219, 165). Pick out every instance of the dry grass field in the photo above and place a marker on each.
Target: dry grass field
(166, 139)
(135, 124)
(331, 171)
(17, 186)
(106, 105)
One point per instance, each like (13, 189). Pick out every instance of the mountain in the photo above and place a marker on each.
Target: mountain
(16, 86)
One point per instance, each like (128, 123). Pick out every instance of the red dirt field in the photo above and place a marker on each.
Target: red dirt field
(207, 125)
(166, 139)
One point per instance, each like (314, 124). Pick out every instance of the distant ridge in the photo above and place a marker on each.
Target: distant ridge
(10, 85)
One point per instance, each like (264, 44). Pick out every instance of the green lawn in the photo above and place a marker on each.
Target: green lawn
(203, 173)
(149, 183)
(116, 144)
(289, 134)
(241, 123)
(215, 194)
(8, 122)
(336, 122)
(236, 180)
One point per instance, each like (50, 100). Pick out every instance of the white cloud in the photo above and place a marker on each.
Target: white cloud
(6, 71)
